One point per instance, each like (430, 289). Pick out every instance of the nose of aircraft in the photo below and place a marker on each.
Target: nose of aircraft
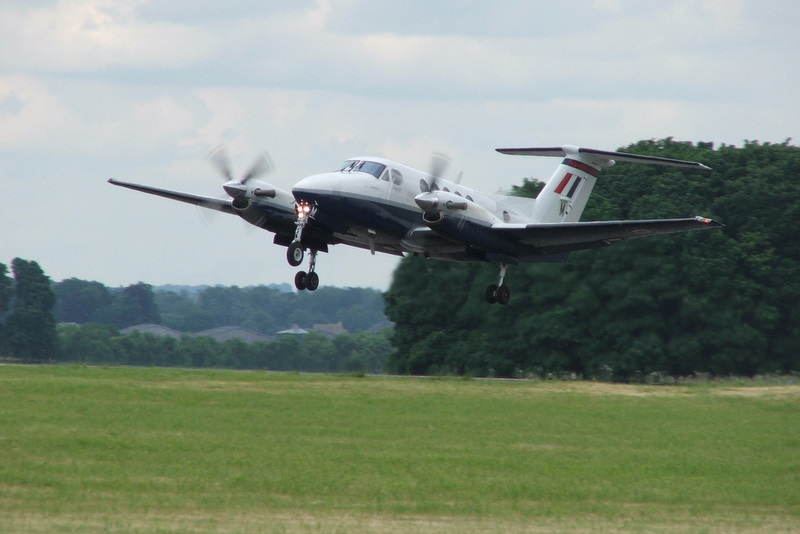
(318, 183)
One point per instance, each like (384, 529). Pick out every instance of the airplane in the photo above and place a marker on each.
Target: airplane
(383, 206)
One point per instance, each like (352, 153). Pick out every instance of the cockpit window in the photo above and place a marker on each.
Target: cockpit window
(370, 167)
(375, 169)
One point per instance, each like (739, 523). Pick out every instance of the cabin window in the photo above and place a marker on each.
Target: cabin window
(397, 177)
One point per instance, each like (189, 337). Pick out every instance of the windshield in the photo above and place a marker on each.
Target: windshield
(370, 167)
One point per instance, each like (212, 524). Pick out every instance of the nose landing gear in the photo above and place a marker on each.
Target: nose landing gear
(296, 251)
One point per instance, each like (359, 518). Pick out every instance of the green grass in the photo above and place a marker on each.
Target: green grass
(155, 450)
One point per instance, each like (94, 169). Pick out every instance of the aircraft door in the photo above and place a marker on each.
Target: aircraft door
(394, 181)
(386, 184)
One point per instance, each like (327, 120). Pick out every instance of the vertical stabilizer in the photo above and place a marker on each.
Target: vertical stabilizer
(564, 197)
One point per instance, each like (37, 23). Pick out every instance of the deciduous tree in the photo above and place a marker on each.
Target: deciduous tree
(31, 328)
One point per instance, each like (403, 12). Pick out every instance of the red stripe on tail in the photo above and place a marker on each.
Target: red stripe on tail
(563, 183)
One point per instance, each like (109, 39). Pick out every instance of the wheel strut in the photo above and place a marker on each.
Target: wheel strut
(296, 250)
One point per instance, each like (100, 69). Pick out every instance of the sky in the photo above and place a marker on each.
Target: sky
(143, 91)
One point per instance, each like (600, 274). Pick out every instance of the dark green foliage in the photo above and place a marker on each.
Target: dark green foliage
(81, 301)
(6, 290)
(6, 294)
(30, 329)
(721, 302)
(135, 305)
(530, 188)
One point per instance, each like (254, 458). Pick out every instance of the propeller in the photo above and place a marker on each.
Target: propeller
(439, 164)
(237, 188)
(433, 200)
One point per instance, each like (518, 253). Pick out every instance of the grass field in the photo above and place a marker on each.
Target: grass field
(161, 450)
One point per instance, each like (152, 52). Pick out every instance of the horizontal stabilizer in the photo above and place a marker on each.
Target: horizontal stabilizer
(601, 158)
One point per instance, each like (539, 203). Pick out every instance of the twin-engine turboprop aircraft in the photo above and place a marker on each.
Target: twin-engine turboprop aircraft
(383, 206)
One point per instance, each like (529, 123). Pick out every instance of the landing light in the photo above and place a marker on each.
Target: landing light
(302, 209)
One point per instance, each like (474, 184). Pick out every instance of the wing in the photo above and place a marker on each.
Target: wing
(423, 240)
(219, 204)
(556, 238)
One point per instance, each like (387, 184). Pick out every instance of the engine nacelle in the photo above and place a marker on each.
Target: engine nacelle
(437, 205)
(241, 203)
(251, 192)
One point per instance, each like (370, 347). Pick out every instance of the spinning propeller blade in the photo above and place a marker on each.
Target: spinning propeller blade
(236, 189)
(219, 158)
(261, 166)
(439, 164)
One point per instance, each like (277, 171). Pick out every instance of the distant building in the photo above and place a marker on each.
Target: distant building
(153, 330)
(386, 323)
(226, 333)
(330, 330)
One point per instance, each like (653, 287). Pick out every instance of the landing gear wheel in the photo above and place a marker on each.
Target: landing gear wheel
(503, 294)
(491, 294)
(311, 281)
(294, 254)
(300, 280)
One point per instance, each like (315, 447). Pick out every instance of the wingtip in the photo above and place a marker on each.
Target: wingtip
(710, 222)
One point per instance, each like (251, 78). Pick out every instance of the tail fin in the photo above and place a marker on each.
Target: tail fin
(564, 197)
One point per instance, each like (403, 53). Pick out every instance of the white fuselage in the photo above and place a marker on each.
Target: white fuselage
(375, 203)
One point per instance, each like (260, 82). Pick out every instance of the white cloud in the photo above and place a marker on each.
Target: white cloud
(85, 35)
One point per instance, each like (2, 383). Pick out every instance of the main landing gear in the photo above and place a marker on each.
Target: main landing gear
(499, 293)
(296, 251)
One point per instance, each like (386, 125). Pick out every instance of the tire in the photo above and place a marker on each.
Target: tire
(503, 294)
(312, 281)
(300, 280)
(295, 254)
(491, 294)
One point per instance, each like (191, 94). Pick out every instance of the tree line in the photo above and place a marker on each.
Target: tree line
(93, 314)
(99, 344)
(725, 302)
(262, 309)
